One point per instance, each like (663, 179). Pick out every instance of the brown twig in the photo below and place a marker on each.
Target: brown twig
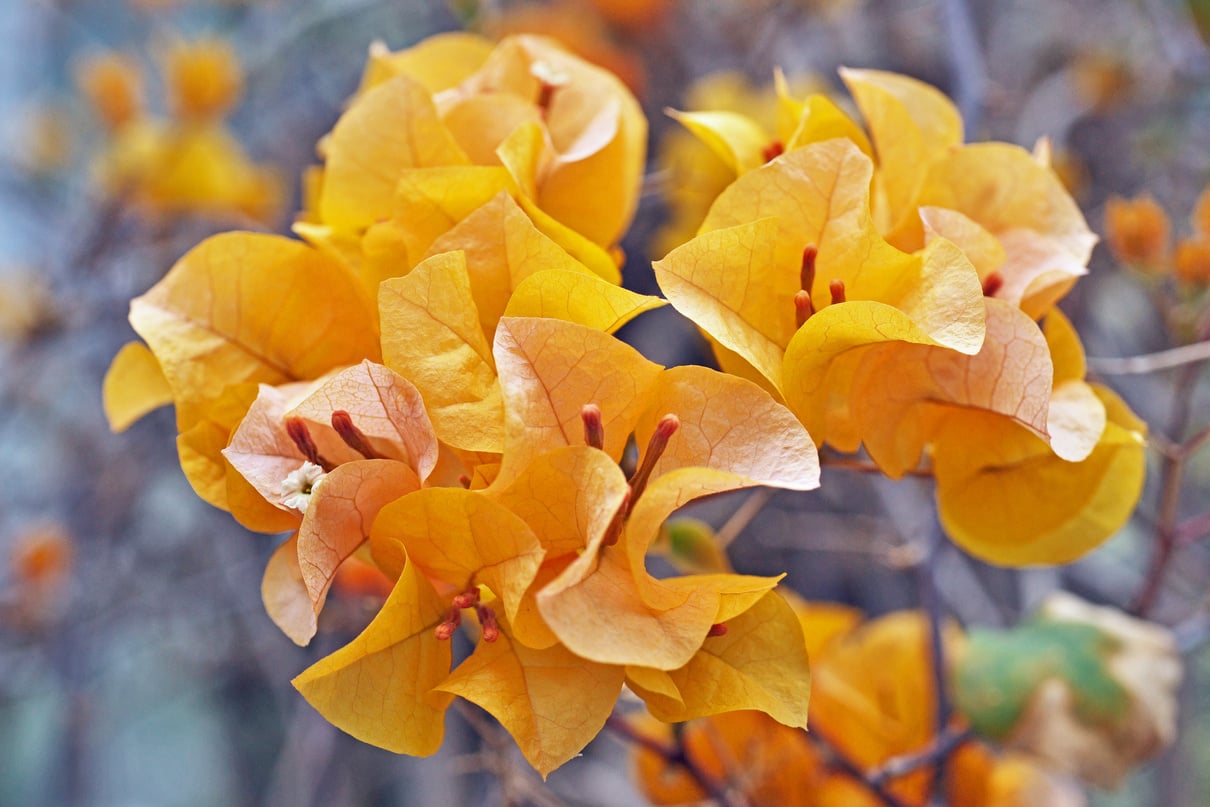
(743, 516)
(674, 754)
(940, 749)
(1152, 362)
(838, 760)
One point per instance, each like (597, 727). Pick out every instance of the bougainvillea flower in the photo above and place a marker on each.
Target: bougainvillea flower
(438, 321)
(170, 170)
(561, 522)
(203, 79)
(328, 455)
(552, 123)
(1008, 498)
(874, 702)
(112, 84)
(927, 183)
(776, 252)
(224, 320)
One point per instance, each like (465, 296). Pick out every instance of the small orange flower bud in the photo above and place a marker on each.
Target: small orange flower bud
(204, 79)
(1192, 261)
(112, 84)
(1200, 219)
(1137, 231)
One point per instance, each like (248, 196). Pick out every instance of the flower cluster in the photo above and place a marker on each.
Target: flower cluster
(188, 162)
(428, 383)
(889, 289)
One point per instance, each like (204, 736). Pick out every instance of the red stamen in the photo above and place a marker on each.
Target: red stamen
(614, 531)
(464, 480)
(467, 599)
(445, 631)
(655, 449)
(806, 275)
(992, 284)
(803, 308)
(296, 427)
(717, 629)
(836, 288)
(354, 437)
(774, 150)
(487, 620)
(594, 428)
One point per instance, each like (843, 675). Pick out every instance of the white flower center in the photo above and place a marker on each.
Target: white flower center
(296, 488)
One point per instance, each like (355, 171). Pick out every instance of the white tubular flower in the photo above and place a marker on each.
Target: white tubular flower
(297, 487)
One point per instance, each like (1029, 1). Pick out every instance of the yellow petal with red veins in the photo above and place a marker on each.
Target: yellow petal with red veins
(392, 127)
(913, 125)
(1008, 499)
(578, 297)
(549, 370)
(338, 520)
(134, 385)
(820, 120)
(431, 335)
(1010, 376)
(462, 537)
(379, 687)
(983, 249)
(438, 63)
(760, 663)
(285, 596)
(430, 201)
(567, 496)
(551, 701)
(215, 319)
(736, 139)
(1003, 188)
(503, 247)
(383, 406)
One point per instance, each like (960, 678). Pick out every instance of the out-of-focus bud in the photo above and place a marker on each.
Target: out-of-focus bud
(1137, 231)
(1089, 689)
(203, 78)
(1192, 261)
(112, 84)
(1200, 218)
(692, 546)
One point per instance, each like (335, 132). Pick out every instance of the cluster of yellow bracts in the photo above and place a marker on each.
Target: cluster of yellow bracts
(427, 381)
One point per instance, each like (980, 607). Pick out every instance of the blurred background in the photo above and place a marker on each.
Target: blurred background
(137, 665)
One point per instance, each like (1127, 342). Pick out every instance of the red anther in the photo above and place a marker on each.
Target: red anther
(464, 480)
(992, 284)
(594, 427)
(296, 427)
(354, 437)
(774, 150)
(806, 275)
(487, 620)
(467, 599)
(836, 288)
(445, 631)
(717, 629)
(803, 308)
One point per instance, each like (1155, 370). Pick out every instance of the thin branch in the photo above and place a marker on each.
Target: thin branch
(838, 760)
(743, 516)
(940, 749)
(674, 754)
(930, 600)
(1152, 362)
